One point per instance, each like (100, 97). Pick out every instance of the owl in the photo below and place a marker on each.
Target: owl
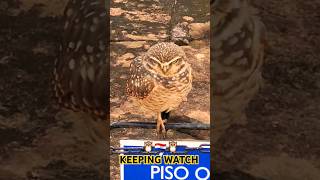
(172, 146)
(160, 80)
(148, 146)
(238, 42)
(80, 73)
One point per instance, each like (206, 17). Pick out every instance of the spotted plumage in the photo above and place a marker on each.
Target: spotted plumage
(80, 74)
(160, 79)
(238, 47)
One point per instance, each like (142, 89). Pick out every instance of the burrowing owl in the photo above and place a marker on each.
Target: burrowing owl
(160, 80)
(80, 74)
(238, 47)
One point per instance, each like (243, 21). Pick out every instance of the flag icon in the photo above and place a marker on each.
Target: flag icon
(160, 146)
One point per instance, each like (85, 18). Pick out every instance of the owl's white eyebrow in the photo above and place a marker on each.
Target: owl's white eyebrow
(155, 59)
(172, 60)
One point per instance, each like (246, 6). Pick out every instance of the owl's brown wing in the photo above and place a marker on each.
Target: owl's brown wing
(80, 75)
(140, 83)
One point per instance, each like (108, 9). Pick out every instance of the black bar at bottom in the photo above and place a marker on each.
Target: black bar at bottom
(150, 125)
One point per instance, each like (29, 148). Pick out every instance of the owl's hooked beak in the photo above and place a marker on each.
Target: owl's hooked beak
(165, 68)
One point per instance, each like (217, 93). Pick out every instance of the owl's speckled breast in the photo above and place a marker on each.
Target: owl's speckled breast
(163, 99)
(166, 99)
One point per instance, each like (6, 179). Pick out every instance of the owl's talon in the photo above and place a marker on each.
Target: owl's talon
(164, 133)
(161, 133)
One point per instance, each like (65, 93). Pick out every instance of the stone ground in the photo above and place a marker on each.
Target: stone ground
(280, 141)
(135, 26)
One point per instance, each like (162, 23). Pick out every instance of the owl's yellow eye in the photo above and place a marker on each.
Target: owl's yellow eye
(178, 60)
(175, 60)
(155, 60)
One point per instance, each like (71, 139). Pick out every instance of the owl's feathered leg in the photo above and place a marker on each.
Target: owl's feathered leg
(161, 130)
